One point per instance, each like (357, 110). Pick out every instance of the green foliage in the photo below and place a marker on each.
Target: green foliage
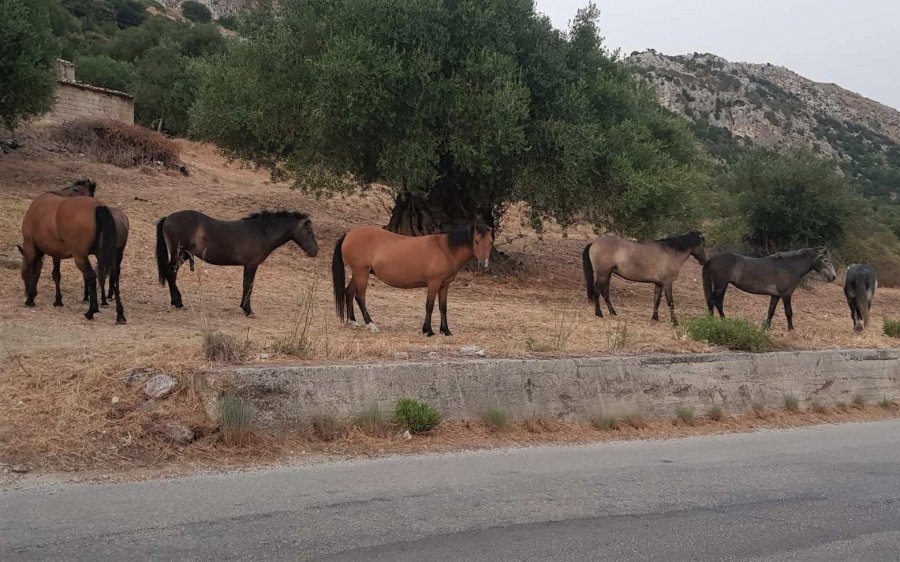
(685, 415)
(468, 105)
(495, 418)
(222, 347)
(229, 22)
(791, 403)
(417, 417)
(236, 419)
(733, 333)
(164, 89)
(372, 421)
(859, 401)
(892, 328)
(27, 77)
(196, 12)
(101, 70)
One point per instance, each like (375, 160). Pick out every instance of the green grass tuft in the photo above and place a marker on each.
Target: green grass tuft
(685, 415)
(222, 347)
(495, 418)
(733, 333)
(791, 403)
(859, 401)
(372, 421)
(236, 420)
(417, 417)
(892, 328)
(716, 413)
(886, 403)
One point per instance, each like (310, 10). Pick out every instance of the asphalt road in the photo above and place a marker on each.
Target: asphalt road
(823, 493)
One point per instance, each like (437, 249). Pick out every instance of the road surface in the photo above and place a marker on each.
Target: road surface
(821, 493)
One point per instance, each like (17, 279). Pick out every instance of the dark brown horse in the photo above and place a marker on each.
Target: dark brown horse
(776, 275)
(246, 242)
(859, 288)
(657, 262)
(404, 262)
(69, 227)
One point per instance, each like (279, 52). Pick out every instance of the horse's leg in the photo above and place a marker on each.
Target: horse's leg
(718, 299)
(853, 314)
(31, 283)
(442, 306)
(114, 277)
(57, 277)
(361, 301)
(604, 289)
(433, 289)
(597, 292)
(671, 302)
(171, 277)
(657, 296)
(102, 284)
(90, 279)
(789, 312)
(249, 276)
(773, 303)
(349, 294)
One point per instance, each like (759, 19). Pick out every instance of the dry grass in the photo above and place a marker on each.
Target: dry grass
(716, 413)
(791, 403)
(112, 142)
(73, 363)
(605, 422)
(685, 415)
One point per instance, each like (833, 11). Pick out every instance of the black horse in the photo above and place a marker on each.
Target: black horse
(777, 275)
(859, 288)
(246, 242)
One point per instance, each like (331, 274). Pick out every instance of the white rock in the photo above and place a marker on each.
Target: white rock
(160, 386)
(115, 400)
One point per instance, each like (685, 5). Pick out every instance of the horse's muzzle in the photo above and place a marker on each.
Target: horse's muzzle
(484, 265)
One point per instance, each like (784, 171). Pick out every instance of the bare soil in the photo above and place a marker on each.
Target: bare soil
(60, 374)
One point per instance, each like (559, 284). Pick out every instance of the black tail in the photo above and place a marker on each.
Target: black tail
(861, 297)
(105, 243)
(339, 280)
(588, 272)
(707, 286)
(162, 252)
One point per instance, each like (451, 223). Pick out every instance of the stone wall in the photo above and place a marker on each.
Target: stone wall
(76, 101)
(560, 388)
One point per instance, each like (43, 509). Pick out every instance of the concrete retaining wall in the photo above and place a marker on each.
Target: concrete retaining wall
(78, 101)
(560, 388)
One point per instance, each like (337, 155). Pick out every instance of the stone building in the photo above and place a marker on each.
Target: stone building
(77, 100)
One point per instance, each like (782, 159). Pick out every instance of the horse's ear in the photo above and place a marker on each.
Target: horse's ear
(21, 249)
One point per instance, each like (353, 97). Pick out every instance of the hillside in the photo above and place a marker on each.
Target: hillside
(735, 103)
(219, 8)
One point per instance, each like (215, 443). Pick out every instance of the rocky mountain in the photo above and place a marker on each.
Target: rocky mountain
(219, 8)
(735, 103)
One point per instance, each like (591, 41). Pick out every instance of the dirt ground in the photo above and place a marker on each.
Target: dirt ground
(59, 373)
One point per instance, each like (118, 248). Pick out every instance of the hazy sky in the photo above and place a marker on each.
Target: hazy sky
(853, 43)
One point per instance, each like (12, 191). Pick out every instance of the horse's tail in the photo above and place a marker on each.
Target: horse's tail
(338, 279)
(105, 242)
(707, 283)
(162, 252)
(588, 272)
(861, 296)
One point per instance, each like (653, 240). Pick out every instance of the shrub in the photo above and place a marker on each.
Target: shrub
(886, 403)
(122, 145)
(791, 403)
(495, 418)
(372, 421)
(236, 420)
(685, 415)
(229, 22)
(716, 413)
(222, 347)
(196, 12)
(859, 401)
(418, 417)
(106, 72)
(733, 333)
(892, 328)
(605, 422)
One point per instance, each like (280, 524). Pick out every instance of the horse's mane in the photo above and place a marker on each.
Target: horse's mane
(795, 253)
(682, 242)
(462, 236)
(267, 216)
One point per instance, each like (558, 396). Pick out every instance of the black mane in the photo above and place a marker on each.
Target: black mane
(268, 216)
(462, 236)
(682, 242)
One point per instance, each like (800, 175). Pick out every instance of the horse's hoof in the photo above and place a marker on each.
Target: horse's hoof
(29, 304)
(353, 323)
(121, 320)
(429, 334)
(58, 303)
(104, 303)
(178, 305)
(446, 332)
(655, 318)
(372, 327)
(89, 315)
(251, 315)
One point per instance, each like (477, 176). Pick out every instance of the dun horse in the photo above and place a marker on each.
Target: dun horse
(777, 275)
(656, 262)
(404, 262)
(246, 242)
(69, 227)
(859, 288)
(87, 188)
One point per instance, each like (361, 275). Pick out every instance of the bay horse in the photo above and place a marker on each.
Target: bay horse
(658, 262)
(776, 275)
(245, 242)
(87, 188)
(69, 227)
(859, 288)
(405, 262)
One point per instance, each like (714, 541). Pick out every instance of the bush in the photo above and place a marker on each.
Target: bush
(716, 413)
(791, 403)
(859, 401)
(372, 421)
(733, 333)
(685, 415)
(495, 418)
(236, 420)
(196, 12)
(892, 328)
(229, 22)
(605, 422)
(122, 145)
(416, 416)
(106, 72)
(222, 347)
(886, 403)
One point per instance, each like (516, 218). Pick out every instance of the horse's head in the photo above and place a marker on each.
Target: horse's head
(80, 188)
(822, 264)
(304, 237)
(482, 242)
(698, 249)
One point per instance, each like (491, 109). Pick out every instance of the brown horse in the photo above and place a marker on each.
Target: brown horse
(246, 242)
(87, 188)
(404, 262)
(64, 227)
(657, 262)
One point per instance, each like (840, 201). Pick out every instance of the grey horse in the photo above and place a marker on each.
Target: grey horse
(859, 288)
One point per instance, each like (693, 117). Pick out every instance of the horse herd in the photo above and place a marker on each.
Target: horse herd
(72, 223)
